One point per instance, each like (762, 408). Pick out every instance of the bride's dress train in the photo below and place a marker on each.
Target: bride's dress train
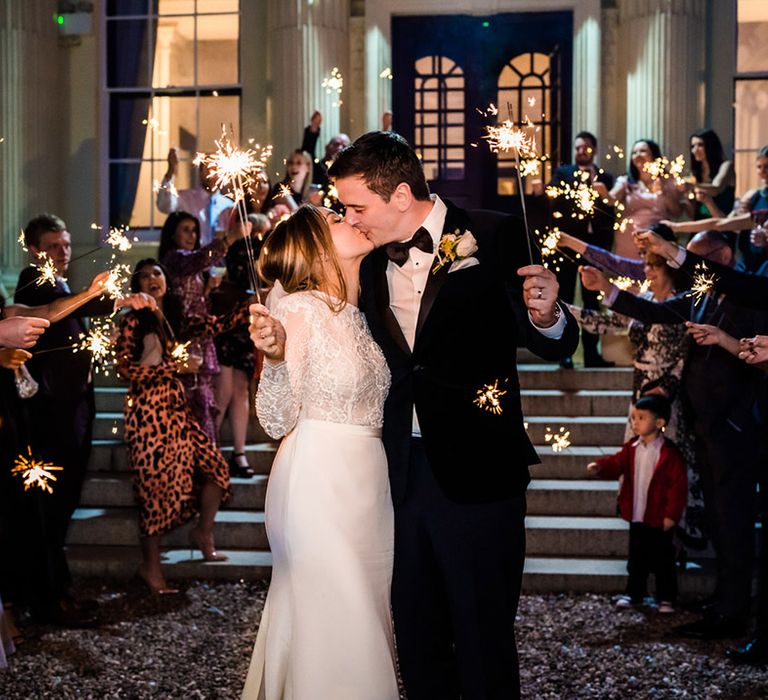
(326, 631)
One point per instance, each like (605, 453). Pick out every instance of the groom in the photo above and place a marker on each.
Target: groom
(449, 295)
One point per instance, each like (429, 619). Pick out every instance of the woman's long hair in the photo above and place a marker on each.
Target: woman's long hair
(713, 152)
(633, 174)
(148, 320)
(168, 232)
(299, 253)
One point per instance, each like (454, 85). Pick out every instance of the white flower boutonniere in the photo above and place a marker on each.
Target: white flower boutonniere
(454, 246)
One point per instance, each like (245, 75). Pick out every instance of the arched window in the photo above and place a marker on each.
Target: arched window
(439, 117)
(525, 91)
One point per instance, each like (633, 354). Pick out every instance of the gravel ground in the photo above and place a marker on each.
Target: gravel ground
(199, 645)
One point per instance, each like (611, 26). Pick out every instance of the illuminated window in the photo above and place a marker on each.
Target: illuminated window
(173, 77)
(751, 91)
(525, 92)
(439, 117)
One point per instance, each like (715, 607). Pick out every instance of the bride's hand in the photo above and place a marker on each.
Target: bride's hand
(267, 333)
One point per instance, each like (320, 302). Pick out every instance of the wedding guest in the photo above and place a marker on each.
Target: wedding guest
(309, 145)
(60, 415)
(715, 179)
(294, 189)
(652, 500)
(178, 472)
(659, 357)
(209, 206)
(648, 198)
(186, 261)
(750, 212)
(726, 428)
(234, 349)
(595, 228)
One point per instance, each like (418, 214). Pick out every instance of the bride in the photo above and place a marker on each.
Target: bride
(326, 630)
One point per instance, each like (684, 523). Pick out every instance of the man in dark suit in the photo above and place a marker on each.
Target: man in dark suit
(450, 295)
(721, 393)
(60, 415)
(595, 228)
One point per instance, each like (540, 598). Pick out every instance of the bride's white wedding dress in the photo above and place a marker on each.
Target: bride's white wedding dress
(326, 631)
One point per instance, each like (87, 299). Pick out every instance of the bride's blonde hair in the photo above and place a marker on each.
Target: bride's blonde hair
(301, 255)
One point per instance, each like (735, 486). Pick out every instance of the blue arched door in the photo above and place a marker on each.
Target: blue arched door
(448, 69)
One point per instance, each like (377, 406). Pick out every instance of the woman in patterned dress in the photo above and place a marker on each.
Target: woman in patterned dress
(659, 358)
(177, 470)
(186, 261)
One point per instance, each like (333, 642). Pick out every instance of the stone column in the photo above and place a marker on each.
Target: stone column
(32, 149)
(307, 40)
(665, 70)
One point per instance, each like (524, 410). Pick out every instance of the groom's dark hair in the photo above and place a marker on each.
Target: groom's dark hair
(383, 159)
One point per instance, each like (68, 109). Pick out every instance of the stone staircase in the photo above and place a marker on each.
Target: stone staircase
(575, 542)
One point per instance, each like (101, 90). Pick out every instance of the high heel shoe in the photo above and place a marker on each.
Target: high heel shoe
(206, 546)
(153, 587)
(239, 471)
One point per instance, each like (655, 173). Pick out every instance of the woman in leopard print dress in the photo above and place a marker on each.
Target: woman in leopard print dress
(178, 471)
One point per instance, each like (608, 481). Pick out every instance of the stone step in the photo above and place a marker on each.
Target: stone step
(584, 430)
(585, 402)
(235, 529)
(545, 496)
(110, 398)
(243, 529)
(115, 489)
(571, 463)
(541, 574)
(546, 376)
(108, 425)
(112, 455)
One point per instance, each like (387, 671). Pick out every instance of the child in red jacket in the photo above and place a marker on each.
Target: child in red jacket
(652, 498)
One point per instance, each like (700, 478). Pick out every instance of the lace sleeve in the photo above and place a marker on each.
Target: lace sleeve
(607, 323)
(279, 397)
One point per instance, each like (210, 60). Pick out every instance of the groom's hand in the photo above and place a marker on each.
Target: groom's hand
(540, 294)
(267, 333)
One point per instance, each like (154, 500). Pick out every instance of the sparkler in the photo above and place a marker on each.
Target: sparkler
(35, 472)
(623, 283)
(180, 352)
(118, 278)
(559, 440)
(386, 74)
(22, 242)
(283, 192)
(489, 398)
(47, 270)
(617, 150)
(334, 83)
(703, 282)
(99, 342)
(118, 240)
(236, 168)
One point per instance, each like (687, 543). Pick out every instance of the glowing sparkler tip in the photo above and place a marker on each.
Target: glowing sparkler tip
(489, 398)
(34, 472)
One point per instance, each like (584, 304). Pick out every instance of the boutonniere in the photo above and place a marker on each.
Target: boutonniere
(454, 246)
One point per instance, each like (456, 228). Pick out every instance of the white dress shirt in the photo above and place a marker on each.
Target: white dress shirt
(407, 283)
(646, 459)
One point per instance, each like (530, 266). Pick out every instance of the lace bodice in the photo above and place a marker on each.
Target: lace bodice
(333, 369)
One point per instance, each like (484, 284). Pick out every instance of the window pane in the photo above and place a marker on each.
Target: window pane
(175, 52)
(217, 54)
(215, 6)
(128, 52)
(751, 129)
(126, 131)
(215, 111)
(176, 7)
(752, 52)
(123, 186)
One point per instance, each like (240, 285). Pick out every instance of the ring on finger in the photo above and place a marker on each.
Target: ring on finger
(541, 293)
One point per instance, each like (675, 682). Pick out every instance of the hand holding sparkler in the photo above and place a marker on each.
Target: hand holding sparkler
(21, 331)
(704, 334)
(594, 280)
(754, 350)
(267, 333)
(650, 242)
(540, 291)
(13, 358)
(137, 301)
(566, 240)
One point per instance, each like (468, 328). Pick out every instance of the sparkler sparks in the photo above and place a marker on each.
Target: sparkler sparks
(386, 74)
(580, 192)
(549, 244)
(664, 168)
(558, 441)
(118, 240)
(47, 270)
(623, 283)
(703, 282)
(34, 472)
(99, 342)
(283, 192)
(154, 125)
(22, 242)
(506, 137)
(489, 397)
(118, 278)
(334, 83)
(180, 352)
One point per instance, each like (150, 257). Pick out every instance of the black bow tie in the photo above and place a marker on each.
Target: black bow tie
(398, 252)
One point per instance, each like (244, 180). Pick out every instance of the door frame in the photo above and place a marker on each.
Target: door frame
(586, 93)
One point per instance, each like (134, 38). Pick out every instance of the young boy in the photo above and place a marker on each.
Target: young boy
(652, 498)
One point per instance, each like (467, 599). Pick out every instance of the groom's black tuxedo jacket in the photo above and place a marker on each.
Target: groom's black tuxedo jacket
(470, 324)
